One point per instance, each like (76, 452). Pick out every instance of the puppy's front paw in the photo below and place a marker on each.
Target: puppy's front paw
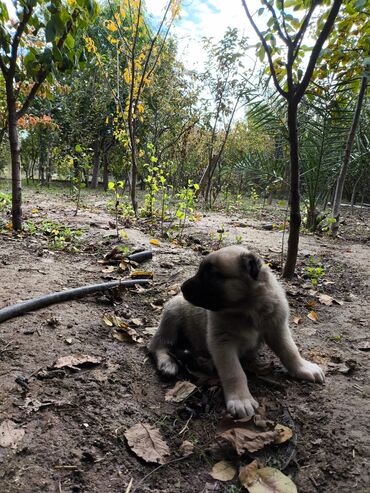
(241, 408)
(168, 368)
(309, 371)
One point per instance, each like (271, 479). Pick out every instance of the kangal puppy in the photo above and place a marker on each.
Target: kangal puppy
(228, 308)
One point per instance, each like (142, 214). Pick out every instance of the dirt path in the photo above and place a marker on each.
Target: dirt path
(74, 421)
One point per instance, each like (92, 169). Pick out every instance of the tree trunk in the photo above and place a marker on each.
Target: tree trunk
(347, 156)
(96, 162)
(295, 213)
(105, 172)
(15, 153)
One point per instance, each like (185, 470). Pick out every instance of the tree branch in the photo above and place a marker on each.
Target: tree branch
(267, 50)
(317, 49)
(44, 73)
(276, 22)
(16, 40)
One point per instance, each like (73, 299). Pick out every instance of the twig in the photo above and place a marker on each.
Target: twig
(155, 470)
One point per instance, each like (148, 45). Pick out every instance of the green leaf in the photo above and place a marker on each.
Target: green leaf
(50, 31)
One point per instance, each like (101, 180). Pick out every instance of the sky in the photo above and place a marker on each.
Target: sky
(205, 18)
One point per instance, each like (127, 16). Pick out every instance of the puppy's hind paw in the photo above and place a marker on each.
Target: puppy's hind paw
(241, 408)
(309, 371)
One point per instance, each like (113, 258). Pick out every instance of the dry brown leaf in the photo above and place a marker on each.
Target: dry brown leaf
(141, 274)
(248, 473)
(338, 302)
(76, 360)
(247, 434)
(313, 316)
(150, 331)
(10, 434)
(186, 448)
(223, 471)
(107, 319)
(126, 334)
(297, 320)
(146, 441)
(364, 346)
(271, 480)
(311, 304)
(325, 299)
(180, 392)
(137, 322)
(284, 433)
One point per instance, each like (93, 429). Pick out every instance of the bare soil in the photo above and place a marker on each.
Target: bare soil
(74, 420)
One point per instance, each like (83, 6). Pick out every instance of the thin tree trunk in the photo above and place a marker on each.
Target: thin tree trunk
(295, 213)
(347, 156)
(96, 162)
(15, 153)
(105, 172)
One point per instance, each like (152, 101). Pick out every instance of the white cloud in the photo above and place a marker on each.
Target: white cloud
(205, 18)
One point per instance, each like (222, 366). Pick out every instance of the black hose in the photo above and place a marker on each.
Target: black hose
(68, 295)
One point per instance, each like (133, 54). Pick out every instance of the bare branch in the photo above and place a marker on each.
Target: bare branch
(267, 50)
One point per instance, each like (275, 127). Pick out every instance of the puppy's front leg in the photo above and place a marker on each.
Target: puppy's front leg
(239, 401)
(281, 342)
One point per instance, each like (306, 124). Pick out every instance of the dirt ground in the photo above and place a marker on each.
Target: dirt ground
(74, 420)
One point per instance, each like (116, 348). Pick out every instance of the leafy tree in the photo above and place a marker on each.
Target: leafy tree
(226, 88)
(141, 49)
(282, 43)
(27, 65)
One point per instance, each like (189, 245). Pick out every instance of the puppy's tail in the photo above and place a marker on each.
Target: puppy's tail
(163, 341)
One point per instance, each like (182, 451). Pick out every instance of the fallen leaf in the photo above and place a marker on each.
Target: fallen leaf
(247, 434)
(364, 346)
(150, 331)
(248, 473)
(284, 433)
(338, 302)
(325, 299)
(137, 322)
(76, 360)
(186, 448)
(297, 320)
(68, 340)
(108, 320)
(223, 471)
(10, 434)
(271, 480)
(141, 274)
(154, 242)
(313, 316)
(180, 392)
(311, 304)
(147, 443)
(126, 334)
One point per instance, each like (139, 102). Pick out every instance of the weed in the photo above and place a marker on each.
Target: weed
(5, 201)
(59, 237)
(314, 271)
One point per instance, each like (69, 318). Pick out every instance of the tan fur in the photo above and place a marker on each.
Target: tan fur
(254, 308)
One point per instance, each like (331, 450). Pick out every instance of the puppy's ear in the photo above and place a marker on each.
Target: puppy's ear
(251, 264)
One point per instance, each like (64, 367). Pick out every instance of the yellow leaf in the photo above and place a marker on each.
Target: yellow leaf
(154, 242)
(313, 316)
(110, 25)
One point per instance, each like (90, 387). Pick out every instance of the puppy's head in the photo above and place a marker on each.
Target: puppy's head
(225, 279)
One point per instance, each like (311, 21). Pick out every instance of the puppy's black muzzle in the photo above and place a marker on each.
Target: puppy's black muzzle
(195, 293)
